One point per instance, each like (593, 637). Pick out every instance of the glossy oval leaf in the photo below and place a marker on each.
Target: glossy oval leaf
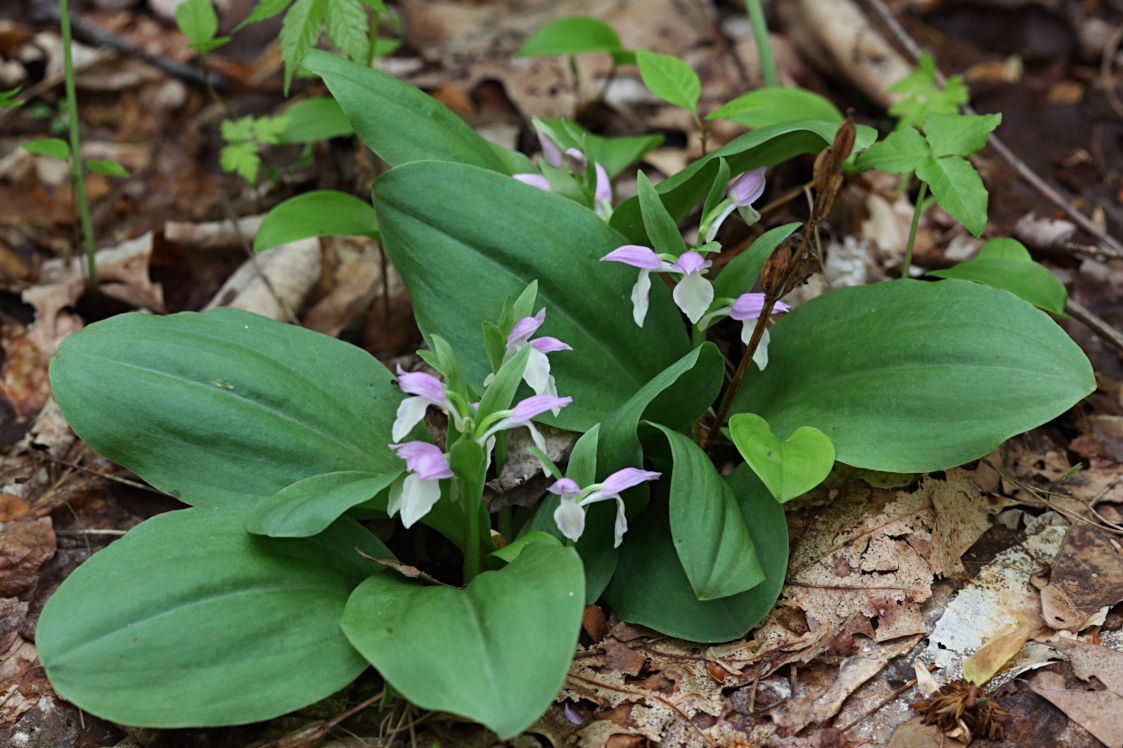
(396, 120)
(464, 239)
(52, 147)
(496, 651)
(708, 530)
(314, 119)
(776, 104)
(913, 377)
(318, 213)
(789, 468)
(651, 589)
(221, 628)
(571, 36)
(1006, 264)
(225, 405)
(308, 506)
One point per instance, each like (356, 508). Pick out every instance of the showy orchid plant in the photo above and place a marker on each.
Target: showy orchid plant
(328, 495)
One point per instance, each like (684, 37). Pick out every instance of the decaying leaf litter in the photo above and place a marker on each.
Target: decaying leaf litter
(1011, 564)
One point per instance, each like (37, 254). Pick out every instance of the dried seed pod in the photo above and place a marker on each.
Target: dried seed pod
(772, 276)
(843, 142)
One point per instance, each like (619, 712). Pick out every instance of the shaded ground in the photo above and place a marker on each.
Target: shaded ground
(883, 569)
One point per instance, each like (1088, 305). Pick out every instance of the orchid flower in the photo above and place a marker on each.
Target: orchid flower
(417, 494)
(746, 308)
(745, 190)
(570, 514)
(534, 180)
(693, 293)
(426, 390)
(551, 151)
(537, 372)
(602, 194)
(521, 415)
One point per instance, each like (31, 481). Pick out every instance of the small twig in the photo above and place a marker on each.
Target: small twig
(1029, 175)
(1107, 333)
(91, 471)
(885, 701)
(111, 533)
(319, 731)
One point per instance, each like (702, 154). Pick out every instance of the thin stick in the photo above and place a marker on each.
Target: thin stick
(887, 699)
(1054, 195)
(1107, 333)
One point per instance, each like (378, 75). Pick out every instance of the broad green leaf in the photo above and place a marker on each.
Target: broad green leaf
(313, 120)
(226, 405)
(901, 152)
(108, 167)
(221, 628)
(743, 270)
(669, 78)
(299, 32)
(197, 20)
(651, 589)
(914, 377)
(464, 239)
(615, 154)
(711, 540)
(789, 468)
(958, 189)
(1006, 264)
(775, 104)
(500, 557)
(571, 36)
(311, 504)
(52, 147)
(397, 121)
(496, 652)
(765, 146)
(319, 213)
(662, 229)
(959, 134)
(346, 23)
(264, 9)
(717, 190)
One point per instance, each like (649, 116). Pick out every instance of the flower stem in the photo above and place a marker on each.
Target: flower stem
(912, 229)
(75, 149)
(742, 369)
(472, 539)
(760, 35)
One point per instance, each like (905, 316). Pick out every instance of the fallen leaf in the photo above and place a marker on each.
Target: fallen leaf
(24, 546)
(1090, 660)
(1000, 649)
(290, 269)
(1087, 576)
(1096, 711)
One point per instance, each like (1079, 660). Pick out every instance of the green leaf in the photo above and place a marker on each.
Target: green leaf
(237, 130)
(765, 146)
(396, 120)
(7, 98)
(464, 239)
(249, 626)
(651, 589)
(717, 191)
(615, 154)
(958, 189)
(789, 468)
(311, 504)
(501, 391)
(1005, 264)
(264, 9)
(499, 558)
(915, 377)
(496, 652)
(299, 31)
(662, 229)
(208, 45)
(959, 134)
(921, 95)
(712, 542)
(267, 130)
(107, 166)
(318, 213)
(313, 120)
(226, 405)
(775, 104)
(571, 36)
(197, 20)
(901, 152)
(240, 159)
(346, 22)
(743, 270)
(51, 147)
(669, 78)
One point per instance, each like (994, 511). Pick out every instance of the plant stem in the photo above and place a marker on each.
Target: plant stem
(760, 35)
(472, 539)
(742, 369)
(75, 149)
(506, 522)
(912, 229)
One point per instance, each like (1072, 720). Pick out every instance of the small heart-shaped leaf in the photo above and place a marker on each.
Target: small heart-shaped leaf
(789, 468)
(496, 651)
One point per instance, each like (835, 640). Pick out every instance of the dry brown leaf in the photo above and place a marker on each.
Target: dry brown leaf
(19, 657)
(916, 734)
(1000, 649)
(291, 269)
(24, 546)
(1087, 576)
(1090, 660)
(962, 516)
(1096, 711)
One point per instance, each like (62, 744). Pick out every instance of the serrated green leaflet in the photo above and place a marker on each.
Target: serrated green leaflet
(914, 377)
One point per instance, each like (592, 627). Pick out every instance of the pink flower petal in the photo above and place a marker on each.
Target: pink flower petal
(534, 180)
(421, 384)
(624, 479)
(748, 187)
(691, 262)
(536, 405)
(636, 256)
